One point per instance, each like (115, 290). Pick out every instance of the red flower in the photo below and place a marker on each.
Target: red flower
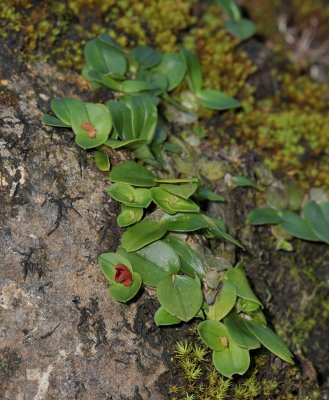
(89, 128)
(123, 275)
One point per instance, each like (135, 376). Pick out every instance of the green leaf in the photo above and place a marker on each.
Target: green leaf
(146, 56)
(129, 215)
(172, 204)
(95, 116)
(132, 173)
(124, 293)
(263, 216)
(294, 225)
(53, 121)
(172, 148)
(64, 108)
(162, 317)
(144, 116)
(239, 333)
(183, 222)
(173, 67)
(242, 181)
(224, 302)
(194, 70)
(154, 262)
(136, 86)
(325, 211)
(142, 234)
(234, 360)
(106, 38)
(102, 160)
(216, 100)
(185, 190)
(207, 194)
(104, 57)
(242, 29)
(230, 8)
(270, 340)
(104, 80)
(246, 306)
(180, 295)
(237, 277)
(214, 334)
(122, 119)
(190, 261)
(316, 219)
(130, 196)
(129, 144)
(157, 79)
(108, 261)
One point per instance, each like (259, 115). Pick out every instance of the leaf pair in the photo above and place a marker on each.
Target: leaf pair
(242, 28)
(209, 98)
(120, 292)
(314, 226)
(134, 119)
(91, 123)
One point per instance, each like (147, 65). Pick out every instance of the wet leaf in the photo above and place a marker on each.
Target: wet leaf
(216, 100)
(180, 295)
(132, 173)
(270, 340)
(130, 196)
(190, 261)
(102, 160)
(162, 317)
(142, 234)
(214, 334)
(125, 293)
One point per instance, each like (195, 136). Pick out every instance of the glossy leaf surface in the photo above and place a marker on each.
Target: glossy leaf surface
(132, 173)
(216, 100)
(162, 317)
(180, 295)
(141, 234)
(125, 293)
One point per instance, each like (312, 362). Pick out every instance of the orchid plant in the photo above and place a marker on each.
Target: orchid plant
(157, 249)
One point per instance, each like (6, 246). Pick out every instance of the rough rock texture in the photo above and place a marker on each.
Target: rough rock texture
(61, 336)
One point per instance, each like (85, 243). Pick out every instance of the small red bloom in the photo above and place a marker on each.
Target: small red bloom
(89, 128)
(123, 275)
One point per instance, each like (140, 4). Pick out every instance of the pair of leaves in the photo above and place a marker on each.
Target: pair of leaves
(91, 123)
(172, 204)
(228, 358)
(130, 196)
(240, 27)
(134, 119)
(117, 290)
(209, 98)
(314, 226)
